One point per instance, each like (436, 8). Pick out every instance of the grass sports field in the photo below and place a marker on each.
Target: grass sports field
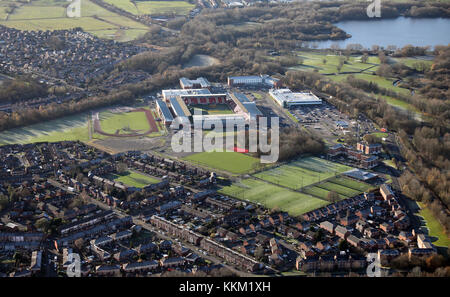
(233, 162)
(350, 183)
(51, 15)
(134, 179)
(275, 187)
(435, 229)
(70, 128)
(66, 128)
(111, 122)
(122, 122)
(211, 109)
(153, 7)
(302, 172)
(272, 196)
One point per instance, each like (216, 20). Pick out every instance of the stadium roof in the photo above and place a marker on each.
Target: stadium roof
(164, 110)
(179, 107)
(173, 93)
(252, 109)
(241, 97)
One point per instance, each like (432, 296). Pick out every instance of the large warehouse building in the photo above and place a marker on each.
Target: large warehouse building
(254, 80)
(287, 98)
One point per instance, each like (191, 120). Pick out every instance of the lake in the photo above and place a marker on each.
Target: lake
(399, 32)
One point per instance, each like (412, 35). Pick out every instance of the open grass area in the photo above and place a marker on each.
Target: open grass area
(328, 63)
(341, 190)
(233, 162)
(272, 196)
(66, 128)
(317, 192)
(141, 7)
(133, 179)
(164, 7)
(435, 229)
(350, 183)
(125, 122)
(211, 108)
(51, 15)
(72, 128)
(126, 5)
(382, 82)
(412, 62)
(302, 172)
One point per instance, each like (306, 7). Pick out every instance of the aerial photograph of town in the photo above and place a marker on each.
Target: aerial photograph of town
(246, 140)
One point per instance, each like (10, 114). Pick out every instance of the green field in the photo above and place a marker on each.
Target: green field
(134, 179)
(66, 128)
(211, 108)
(72, 128)
(435, 229)
(315, 61)
(233, 162)
(302, 172)
(272, 196)
(126, 122)
(153, 7)
(126, 5)
(51, 15)
(412, 62)
(341, 190)
(350, 183)
(164, 7)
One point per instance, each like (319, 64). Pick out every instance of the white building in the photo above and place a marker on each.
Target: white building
(287, 98)
(253, 80)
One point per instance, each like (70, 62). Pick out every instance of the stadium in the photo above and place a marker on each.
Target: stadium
(202, 105)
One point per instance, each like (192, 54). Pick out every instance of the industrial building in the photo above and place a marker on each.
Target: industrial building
(254, 80)
(199, 83)
(286, 98)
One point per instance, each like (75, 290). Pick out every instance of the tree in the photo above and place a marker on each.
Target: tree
(3, 202)
(79, 243)
(42, 224)
(343, 245)
(435, 261)
(364, 58)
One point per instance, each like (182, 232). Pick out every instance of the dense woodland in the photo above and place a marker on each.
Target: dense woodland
(242, 49)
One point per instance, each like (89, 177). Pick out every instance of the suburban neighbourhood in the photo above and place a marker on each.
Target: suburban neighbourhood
(105, 121)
